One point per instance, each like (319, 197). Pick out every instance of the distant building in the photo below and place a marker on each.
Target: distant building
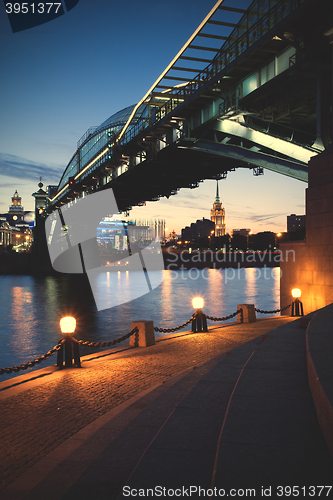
(217, 215)
(6, 233)
(14, 230)
(116, 235)
(240, 232)
(204, 228)
(200, 229)
(186, 234)
(16, 213)
(295, 222)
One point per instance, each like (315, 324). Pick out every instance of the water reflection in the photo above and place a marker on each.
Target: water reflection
(21, 320)
(31, 307)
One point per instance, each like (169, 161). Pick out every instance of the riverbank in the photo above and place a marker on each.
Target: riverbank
(219, 259)
(24, 263)
(15, 263)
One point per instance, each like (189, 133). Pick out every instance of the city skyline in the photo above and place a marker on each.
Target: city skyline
(65, 76)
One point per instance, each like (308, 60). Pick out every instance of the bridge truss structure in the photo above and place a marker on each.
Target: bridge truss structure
(251, 88)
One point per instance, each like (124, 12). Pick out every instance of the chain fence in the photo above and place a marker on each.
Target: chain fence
(275, 310)
(169, 330)
(30, 364)
(135, 330)
(224, 318)
(107, 344)
(56, 348)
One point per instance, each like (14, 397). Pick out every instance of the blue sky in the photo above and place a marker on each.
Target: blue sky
(65, 76)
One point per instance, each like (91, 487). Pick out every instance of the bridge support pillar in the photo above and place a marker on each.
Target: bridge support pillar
(308, 265)
(146, 335)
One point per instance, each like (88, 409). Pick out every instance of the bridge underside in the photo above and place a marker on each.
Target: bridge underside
(187, 163)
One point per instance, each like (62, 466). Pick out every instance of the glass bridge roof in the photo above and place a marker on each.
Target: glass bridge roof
(120, 116)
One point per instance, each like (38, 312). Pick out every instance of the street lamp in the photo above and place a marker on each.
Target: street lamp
(70, 345)
(199, 323)
(197, 303)
(278, 235)
(67, 325)
(212, 240)
(297, 304)
(247, 240)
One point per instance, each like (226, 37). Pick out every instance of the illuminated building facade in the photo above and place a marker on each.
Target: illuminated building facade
(115, 234)
(217, 215)
(6, 233)
(14, 230)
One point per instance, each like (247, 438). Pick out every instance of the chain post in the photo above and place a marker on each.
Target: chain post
(76, 354)
(60, 356)
(69, 350)
(296, 305)
(199, 324)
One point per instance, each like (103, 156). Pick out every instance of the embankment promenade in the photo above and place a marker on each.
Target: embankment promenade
(236, 396)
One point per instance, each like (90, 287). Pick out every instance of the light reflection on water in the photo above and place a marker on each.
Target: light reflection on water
(31, 307)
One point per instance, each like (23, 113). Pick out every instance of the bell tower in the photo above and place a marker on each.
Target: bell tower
(16, 212)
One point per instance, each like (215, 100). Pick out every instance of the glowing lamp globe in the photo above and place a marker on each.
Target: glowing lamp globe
(197, 303)
(296, 293)
(68, 325)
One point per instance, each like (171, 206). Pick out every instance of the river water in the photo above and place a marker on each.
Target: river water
(32, 306)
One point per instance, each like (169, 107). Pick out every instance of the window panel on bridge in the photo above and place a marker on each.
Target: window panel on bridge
(93, 146)
(71, 171)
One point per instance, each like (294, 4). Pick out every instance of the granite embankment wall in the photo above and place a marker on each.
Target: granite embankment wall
(219, 259)
(26, 263)
(15, 263)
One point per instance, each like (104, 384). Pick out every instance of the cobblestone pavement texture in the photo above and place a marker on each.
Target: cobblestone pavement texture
(36, 421)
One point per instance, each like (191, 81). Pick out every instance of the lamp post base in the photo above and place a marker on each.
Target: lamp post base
(199, 324)
(72, 355)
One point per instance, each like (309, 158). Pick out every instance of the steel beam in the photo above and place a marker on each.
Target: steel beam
(279, 165)
(281, 146)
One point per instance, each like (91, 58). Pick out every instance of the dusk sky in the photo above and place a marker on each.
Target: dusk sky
(72, 73)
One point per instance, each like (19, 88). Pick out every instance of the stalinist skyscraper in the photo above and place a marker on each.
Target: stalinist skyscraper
(217, 214)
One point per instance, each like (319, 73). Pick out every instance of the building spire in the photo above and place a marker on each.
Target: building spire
(217, 199)
(217, 214)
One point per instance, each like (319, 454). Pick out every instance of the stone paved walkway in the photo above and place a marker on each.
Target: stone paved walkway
(36, 420)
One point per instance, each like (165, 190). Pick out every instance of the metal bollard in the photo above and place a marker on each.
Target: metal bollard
(199, 324)
(295, 310)
(70, 348)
